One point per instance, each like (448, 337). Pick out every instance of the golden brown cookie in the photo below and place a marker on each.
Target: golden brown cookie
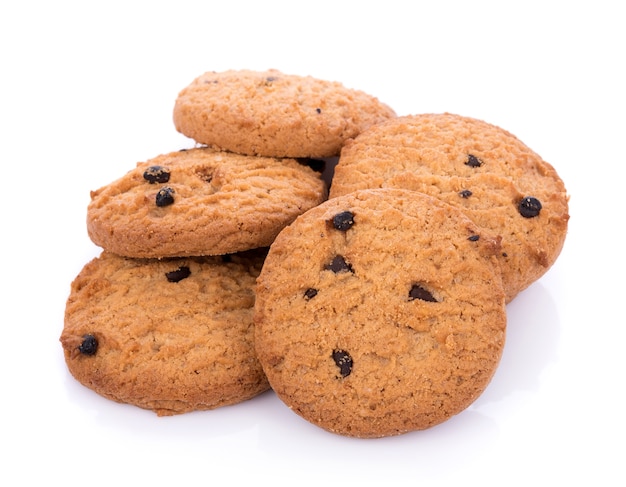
(201, 202)
(501, 184)
(380, 312)
(170, 335)
(270, 113)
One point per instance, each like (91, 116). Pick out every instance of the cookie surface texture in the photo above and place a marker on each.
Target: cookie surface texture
(170, 335)
(380, 312)
(201, 202)
(501, 184)
(270, 113)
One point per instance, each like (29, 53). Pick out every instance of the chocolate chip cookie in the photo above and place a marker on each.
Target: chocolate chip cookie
(201, 202)
(380, 312)
(496, 179)
(169, 335)
(270, 113)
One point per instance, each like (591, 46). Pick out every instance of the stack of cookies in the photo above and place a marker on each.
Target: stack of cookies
(372, 308)
(163, 318)
(382, 310)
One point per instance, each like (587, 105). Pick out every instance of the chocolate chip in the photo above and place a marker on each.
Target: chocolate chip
(473, 238)
(339, 264)
(310, 293)
(466, 193)
(179, 274)
(418, 292)
(473, 161)
(165, 197)
(343, 221)
(157, 174)
(343, 361)
(89, 345)
(318, 110)
(529, 207)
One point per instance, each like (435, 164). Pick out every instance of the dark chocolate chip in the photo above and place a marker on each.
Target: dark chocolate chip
(339, 264)
(157, 174)
(179, 274)
(318, 110)
(473, 238)
(310, 293)
(529, 207)
(89, 345)
(165, 197)
(466, 193)
(343, 221)
(473, 161)
(343, 361)
(418, 292)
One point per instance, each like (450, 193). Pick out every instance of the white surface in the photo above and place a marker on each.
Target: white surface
(87, 91)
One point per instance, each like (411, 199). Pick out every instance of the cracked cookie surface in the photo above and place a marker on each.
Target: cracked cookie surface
(270, 113)
(201, 202)
(169, 335)
(380, 312)
(501, 183)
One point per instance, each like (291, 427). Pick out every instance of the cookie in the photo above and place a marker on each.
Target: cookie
(380, 312)
(201, 202)
(495, 178)
(169, 335)
(269, 113)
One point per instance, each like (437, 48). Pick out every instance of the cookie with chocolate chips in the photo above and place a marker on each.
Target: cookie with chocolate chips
(201, 202)
(270, 113)
(380, 312)
(496, 179)
(168, 335)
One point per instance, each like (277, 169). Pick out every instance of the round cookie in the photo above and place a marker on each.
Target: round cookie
(201, 202)
(270, 113)
(501, 183)
(380, 312)
(169, 335)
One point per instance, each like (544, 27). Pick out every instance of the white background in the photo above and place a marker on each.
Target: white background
(87, 90)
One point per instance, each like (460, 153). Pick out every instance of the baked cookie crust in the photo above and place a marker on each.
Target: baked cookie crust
(380, 312)
(168, 335)
(201, 202)
(483, 169)
(270, 113)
